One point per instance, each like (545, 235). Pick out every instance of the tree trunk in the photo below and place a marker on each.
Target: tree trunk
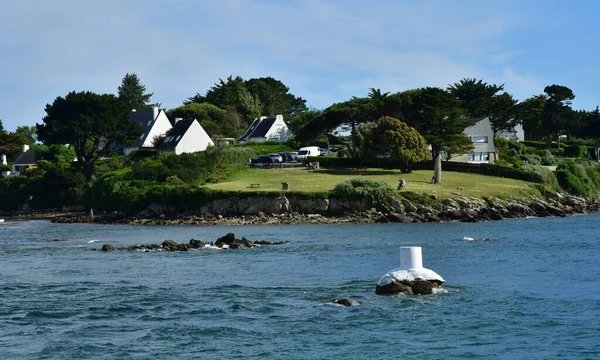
(596, 150)
(437, 168)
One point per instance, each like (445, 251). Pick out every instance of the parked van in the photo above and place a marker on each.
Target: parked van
(308, 151)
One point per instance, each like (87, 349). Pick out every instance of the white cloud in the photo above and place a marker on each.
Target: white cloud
(325, 51)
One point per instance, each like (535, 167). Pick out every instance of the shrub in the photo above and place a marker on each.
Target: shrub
(375, 191)
(113, 163)
(267, 147)
(593, 172)
(576, 151)
(573, 178)
(547, 158)
(531, 159)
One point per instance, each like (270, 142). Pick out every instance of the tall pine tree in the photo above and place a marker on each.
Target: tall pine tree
(133, 92)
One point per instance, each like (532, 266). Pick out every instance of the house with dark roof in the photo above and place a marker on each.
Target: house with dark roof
(153, 123)
(187, 136)
(24, 161)
(267, 129)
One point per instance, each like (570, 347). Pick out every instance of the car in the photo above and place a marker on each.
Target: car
(323, 152)
(289, 156)
(262, 160)
(276, 158)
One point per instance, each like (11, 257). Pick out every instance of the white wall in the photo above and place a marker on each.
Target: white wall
(195, 139)
(279, 130)
(160, 126)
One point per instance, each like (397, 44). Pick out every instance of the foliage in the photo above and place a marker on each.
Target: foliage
(29, 133)
(113, 163)
(530, 115)
(556, 111)
(502, 111)
(267, 147)
(475, 96)
(11, 144)
(212, 118)
(424, 199)
(133, 93)
(576, 151)
(61, 155)
(375, 191)
(87, 121)
(391, 136)
(574, 179)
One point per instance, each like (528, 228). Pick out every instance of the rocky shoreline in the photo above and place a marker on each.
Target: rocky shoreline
(462, 208)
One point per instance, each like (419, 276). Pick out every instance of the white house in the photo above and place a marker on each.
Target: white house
(153, 123)
(267, 129)
(24, 161)
(515, 133)
(187, 136)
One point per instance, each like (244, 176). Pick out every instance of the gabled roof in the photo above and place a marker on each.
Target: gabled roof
(145, 119)
(258, 129)
(175, 135)
(26, 158)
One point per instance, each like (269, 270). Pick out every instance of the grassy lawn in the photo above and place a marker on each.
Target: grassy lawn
(301, 179)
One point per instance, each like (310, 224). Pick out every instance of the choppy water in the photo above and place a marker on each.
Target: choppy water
(530, 290)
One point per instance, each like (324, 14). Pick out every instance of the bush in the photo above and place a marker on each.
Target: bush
(531, 159)
(268, 147)
(576, 151)
(375, 191)
(574, 179)
(593, 172)
(547, 158)
(113, 163)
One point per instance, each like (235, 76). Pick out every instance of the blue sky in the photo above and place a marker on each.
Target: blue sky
(326, 51)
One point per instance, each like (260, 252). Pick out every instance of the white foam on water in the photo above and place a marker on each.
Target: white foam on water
(92, 241)
(209, 246)
(466, 238)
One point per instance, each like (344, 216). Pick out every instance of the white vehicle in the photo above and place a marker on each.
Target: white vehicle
(308, 151)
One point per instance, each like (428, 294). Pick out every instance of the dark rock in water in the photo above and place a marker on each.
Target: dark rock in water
(347, 302)
(196, 244)
(58, 240)
(382, 220)
(416, 287)
(225, 240)
(107, 247)
(399, 218)
(167, 244)
(264, 242)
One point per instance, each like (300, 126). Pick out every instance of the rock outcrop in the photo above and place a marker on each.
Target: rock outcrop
(228, 241)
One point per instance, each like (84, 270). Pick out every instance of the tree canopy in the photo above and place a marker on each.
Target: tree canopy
(395, 138)
(29, 133)
(88, 122)
(474, 96)
(133, 93)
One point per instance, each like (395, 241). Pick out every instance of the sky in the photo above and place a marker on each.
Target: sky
(325, 51)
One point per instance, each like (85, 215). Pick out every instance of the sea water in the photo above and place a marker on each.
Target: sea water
(514, 289)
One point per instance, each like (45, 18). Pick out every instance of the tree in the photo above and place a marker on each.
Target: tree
(275, 97)
(556, 111)
(438, 118)
(212, 118)
(88, 122)
(593, 130)
(530, 115)
(133, 93)
(502, 111)
(1, 126)
(403, 143)
(474, 96)
(28, 132)
(349, 113)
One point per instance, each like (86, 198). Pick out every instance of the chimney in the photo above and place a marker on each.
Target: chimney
(25, 147)
(155, 110)
(132, 110)
(177, 120)
(3, 159)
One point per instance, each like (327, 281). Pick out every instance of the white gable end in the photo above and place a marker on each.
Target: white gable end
(160, 127)
(279, 130)
(195, 139)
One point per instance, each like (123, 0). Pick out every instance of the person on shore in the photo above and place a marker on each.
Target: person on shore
(92, 215)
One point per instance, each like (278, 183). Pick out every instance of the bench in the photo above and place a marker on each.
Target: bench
(254, 185)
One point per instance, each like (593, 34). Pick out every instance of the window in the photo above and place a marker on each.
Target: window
(178, 137)
(479, 156)
(479, 139)
(142, 136)
(149, 122)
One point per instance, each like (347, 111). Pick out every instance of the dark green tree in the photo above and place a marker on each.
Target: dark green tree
(212, 118)
(530, 115)
(438, 117)
(557, 111)
(394, 137)
(502, 111)
(88, 122)
(28, 132)
(133, 93)
(474, 96)
(593, 130)
(1, 126)
(275, 97)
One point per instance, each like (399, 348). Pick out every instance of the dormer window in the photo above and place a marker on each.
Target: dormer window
(479, 139)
